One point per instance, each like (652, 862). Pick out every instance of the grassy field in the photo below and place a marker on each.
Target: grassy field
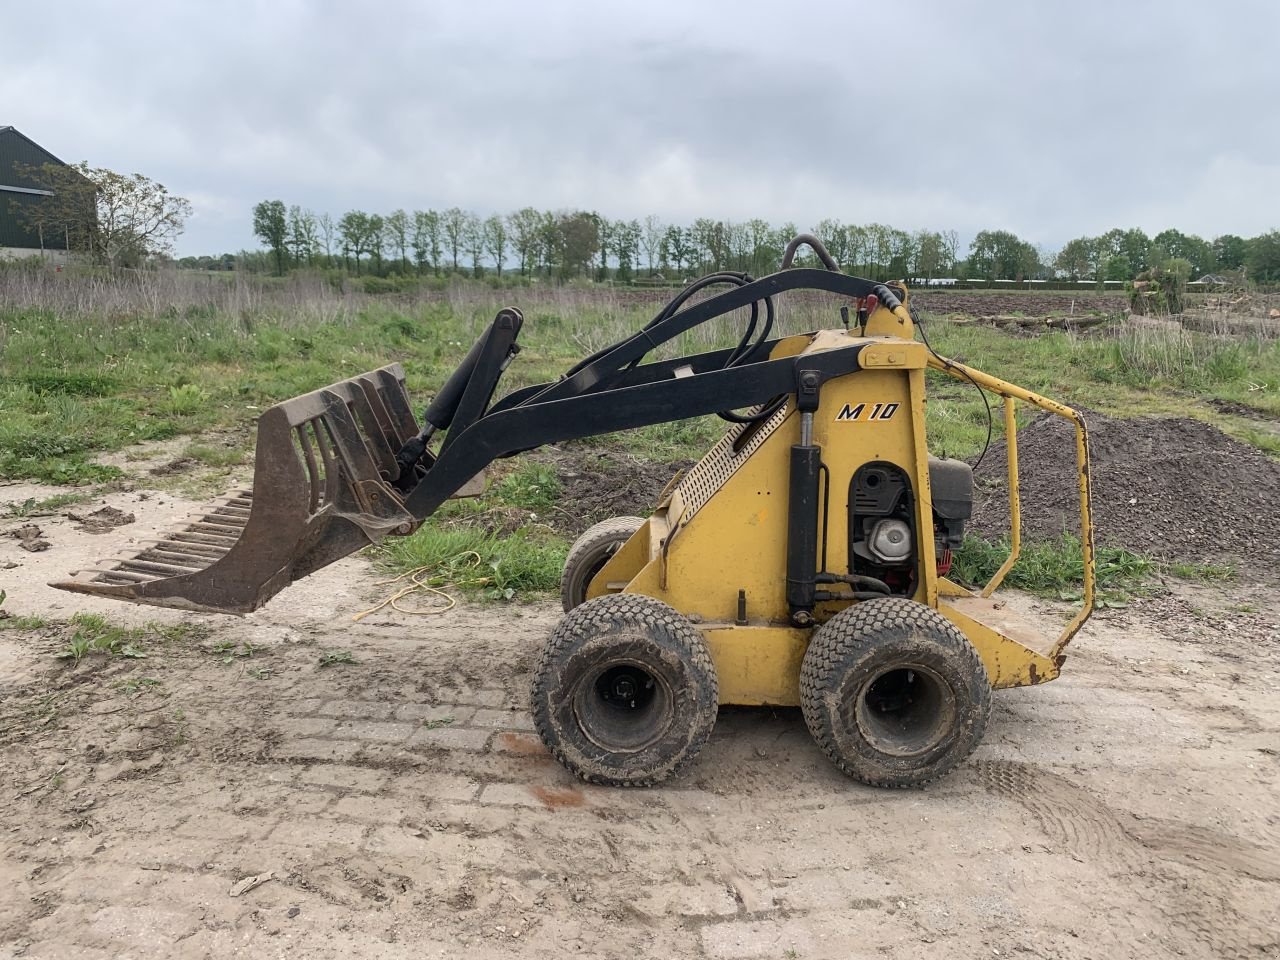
(89, 366)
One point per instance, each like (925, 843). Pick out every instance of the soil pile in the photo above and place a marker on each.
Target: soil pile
(102, 520)
(1176, 488)
(30, 538)
(981, 303)
(597, 483)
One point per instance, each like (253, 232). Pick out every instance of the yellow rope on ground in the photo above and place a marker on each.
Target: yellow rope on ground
(417, 581)
(415, 584)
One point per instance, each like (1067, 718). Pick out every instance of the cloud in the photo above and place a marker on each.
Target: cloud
(1052, 120)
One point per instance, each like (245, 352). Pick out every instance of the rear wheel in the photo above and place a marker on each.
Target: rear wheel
(625, 691)
(588, 555)
(893, 693)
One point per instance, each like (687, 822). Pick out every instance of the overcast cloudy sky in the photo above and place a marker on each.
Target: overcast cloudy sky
(1051, 119)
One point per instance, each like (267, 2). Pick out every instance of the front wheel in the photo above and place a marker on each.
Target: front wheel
(588, 555)
(893, 693)
(625, 692)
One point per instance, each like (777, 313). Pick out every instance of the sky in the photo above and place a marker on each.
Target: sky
(1051, 119)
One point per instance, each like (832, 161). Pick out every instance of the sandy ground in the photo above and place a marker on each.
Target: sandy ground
(401, 807)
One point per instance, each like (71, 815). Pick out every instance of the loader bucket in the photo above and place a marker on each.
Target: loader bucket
(322, 489)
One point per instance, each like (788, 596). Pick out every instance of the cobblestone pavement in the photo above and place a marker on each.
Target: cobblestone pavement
(401, 806)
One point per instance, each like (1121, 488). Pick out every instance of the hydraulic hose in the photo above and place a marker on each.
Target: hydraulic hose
(816, 245)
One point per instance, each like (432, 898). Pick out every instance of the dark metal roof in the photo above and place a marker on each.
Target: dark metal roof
(18, 191)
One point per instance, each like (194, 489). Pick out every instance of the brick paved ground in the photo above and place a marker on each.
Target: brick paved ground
(405, 809)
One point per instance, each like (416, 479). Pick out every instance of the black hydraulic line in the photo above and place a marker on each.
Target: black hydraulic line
(744, 352)
(651, 372)
(857, 580)
(609, 363)
(821, 595)
(947, 364)
(537, 421)
(816, 245)
(673, 305)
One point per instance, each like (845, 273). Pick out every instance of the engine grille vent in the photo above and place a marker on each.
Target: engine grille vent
(721, 462)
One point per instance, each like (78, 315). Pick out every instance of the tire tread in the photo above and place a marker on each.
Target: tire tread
(655, 617)
(838, 640)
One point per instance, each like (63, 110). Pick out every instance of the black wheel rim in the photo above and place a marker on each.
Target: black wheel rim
(622, 706)
(588, 573)
(904, 710)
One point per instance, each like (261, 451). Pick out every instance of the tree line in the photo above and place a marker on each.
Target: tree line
(568, 244)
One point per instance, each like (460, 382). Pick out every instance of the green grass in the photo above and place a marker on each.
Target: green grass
(95, 634)
(91, 633)
(9, 622)
(214, 456)
(136, 686)
(74, 385)
(684, 440)
(525, 563)
(228, 651)
(1056, 568)
(1125, 371)
(533, 486)
(1263, 440)
(31, 507)
(1203, 572)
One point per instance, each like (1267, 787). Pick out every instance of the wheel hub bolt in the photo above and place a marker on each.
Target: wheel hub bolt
(624, 688)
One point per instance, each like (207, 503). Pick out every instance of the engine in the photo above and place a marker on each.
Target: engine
(882, 520)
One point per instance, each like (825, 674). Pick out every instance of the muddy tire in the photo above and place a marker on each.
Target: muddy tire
(893, 693)
(589, 553)
(625, 691)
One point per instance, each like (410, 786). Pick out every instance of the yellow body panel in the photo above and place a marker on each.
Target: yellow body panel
(1009, 663)
(757, 666)
(723, 528)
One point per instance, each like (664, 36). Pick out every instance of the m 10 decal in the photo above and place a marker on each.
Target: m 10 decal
(868, 411)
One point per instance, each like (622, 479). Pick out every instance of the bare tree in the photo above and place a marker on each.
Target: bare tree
(328, 230)
(651, 240)
(605, 235)
(426, 239)
(377, 240)
(302, 234)
(397, 226)
(495, 241)
(454, 221)
(473, 241)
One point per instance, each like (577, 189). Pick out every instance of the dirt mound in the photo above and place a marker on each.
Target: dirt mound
(179, 465)
(30, 538)
(1173, 488)
(102, 520)
(597, 483)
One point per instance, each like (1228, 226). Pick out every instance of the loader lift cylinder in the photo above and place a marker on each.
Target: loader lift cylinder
(802, 532)
(802, 505)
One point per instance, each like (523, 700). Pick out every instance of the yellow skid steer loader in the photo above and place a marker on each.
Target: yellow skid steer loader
(802, 561)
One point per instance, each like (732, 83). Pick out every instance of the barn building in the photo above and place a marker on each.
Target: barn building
(19, 195)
